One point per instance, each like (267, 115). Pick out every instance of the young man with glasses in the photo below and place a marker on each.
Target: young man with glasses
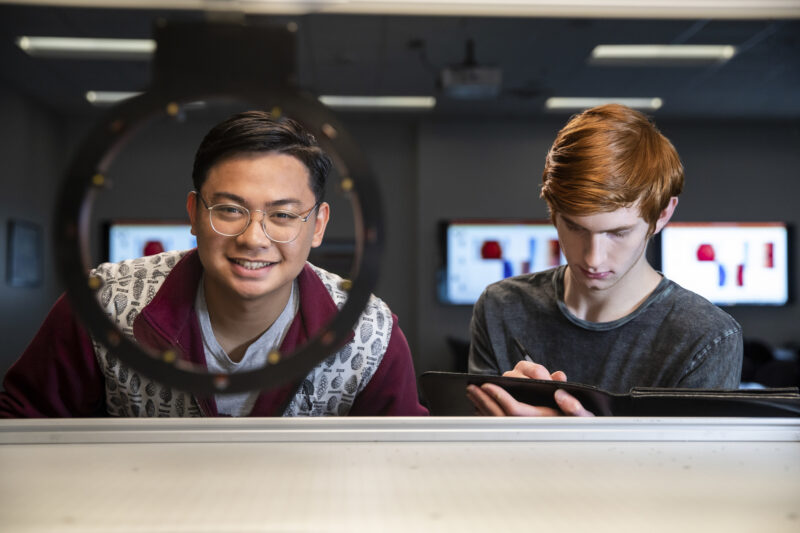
(257, 209)
(611, 181)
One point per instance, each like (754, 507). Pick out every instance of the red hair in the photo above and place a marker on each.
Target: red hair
(609, 157)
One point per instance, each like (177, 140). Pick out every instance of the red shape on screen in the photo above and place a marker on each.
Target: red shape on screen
(769, 256)
(740, 275)
(491, 250)
(153, 248)
(705, 252)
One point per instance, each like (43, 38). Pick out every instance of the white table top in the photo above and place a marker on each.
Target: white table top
(401, 474)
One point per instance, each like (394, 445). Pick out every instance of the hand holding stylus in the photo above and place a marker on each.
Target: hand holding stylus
(493, 400)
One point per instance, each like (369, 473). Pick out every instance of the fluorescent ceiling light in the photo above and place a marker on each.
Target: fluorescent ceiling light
(108, 98)
(84, 48)
(103, 98)
(375, 102)
(100, 98)
(563, 103)
(661, 54)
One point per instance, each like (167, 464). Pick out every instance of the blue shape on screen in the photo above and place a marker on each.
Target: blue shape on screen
(721, 275)
(507, 270)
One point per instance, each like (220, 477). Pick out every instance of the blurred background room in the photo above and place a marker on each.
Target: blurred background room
(484, 88)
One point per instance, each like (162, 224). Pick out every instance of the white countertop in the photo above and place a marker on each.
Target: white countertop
(401, 474)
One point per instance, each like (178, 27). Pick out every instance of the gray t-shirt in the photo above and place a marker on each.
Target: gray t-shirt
(255, 356)
(675, 338)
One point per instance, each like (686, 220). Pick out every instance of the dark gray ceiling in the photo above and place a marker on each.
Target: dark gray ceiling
(403, 55)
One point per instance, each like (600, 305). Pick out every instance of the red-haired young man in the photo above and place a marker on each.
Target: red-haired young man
(607, 318)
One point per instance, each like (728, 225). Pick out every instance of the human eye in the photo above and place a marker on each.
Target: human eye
(229, 211)
(283, 217)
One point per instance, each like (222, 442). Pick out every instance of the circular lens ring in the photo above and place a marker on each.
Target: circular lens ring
(87, 175)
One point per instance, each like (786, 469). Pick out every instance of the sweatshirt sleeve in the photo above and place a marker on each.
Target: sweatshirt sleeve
(57, 375)
(718, 365)
(392, 391)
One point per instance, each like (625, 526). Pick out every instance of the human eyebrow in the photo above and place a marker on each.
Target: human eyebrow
(286, 202)
(620, 229)
(226, 196)
(571, 223)
(276, 204)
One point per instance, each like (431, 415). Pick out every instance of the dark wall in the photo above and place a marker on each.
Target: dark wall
(429, 169)
(32, 155)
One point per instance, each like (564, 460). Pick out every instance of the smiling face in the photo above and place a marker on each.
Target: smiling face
(250, 267)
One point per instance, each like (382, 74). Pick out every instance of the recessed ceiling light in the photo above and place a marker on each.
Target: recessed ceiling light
(661, 54)
(86, 48)
(376, 102)
(563, 103)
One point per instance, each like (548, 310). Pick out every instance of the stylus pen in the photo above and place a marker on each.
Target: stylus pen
(522, 350)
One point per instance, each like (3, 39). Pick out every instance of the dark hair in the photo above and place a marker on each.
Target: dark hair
(609, 157)
(259, 131)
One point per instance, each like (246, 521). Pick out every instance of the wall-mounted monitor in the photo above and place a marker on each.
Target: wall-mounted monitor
(736, 263)
(129, 239)
(479, 252)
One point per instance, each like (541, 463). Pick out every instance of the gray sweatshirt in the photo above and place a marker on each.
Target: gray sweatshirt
(675, 338)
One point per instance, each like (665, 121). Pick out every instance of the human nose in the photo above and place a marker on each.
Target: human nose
(595, 251)
(255, 234)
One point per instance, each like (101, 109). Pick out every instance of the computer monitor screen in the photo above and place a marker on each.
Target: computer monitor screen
(480, 252)
(729, 263)
(129, 239)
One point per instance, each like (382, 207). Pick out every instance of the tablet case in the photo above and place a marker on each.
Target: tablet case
(445, 393)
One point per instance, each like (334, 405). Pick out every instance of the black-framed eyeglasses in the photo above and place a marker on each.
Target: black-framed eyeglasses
(279, 225)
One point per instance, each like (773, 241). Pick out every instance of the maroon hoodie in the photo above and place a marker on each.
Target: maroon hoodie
(59, 376)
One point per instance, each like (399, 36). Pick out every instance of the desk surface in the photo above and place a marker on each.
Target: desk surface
(401, 474)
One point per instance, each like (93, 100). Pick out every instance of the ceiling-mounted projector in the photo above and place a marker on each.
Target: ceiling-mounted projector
(470, 80)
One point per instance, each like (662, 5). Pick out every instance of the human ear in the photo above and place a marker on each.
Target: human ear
(666, 214)
(320, 223)
(191, 209)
